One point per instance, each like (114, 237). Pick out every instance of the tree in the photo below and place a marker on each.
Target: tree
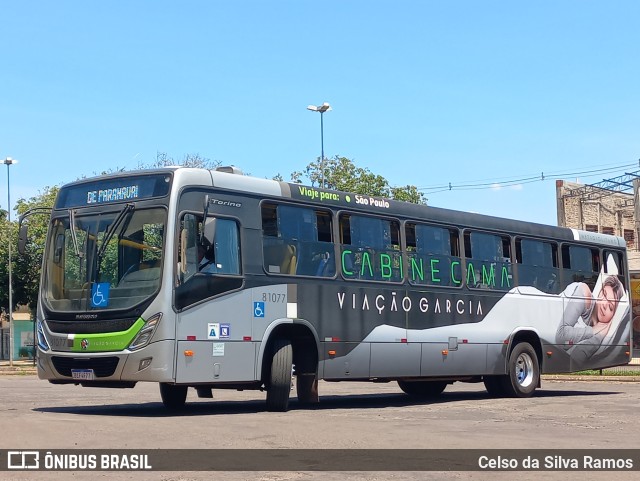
(408, 193)
(341, 173)
(25, 268)
(6, 232)
(188, 160)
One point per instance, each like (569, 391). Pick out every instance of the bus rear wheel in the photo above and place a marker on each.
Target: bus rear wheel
(173, 396)
(279, 387)
(523, 376)
(423, 389)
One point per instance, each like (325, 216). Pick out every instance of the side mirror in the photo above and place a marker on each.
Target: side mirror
(22, 232)
(22, 239)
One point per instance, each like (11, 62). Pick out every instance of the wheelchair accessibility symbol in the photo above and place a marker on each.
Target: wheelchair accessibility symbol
(100, 294)
(258, 309)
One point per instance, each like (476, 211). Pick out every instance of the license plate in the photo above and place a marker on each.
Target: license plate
(83, 374)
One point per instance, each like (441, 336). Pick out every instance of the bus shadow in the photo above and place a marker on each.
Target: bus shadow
(329, 402)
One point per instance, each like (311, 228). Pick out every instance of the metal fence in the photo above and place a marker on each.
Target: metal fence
(4, 344)
(631, 369)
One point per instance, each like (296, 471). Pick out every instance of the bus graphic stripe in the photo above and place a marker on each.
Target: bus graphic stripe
(111, 341)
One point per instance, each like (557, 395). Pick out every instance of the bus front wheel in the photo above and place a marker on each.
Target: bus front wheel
(279, 386)
(173, 396)
(523, 376)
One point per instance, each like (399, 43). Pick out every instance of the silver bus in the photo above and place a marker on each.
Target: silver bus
(210, 279)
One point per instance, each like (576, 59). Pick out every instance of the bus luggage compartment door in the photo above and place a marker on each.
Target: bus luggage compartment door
(206, 361)
(457, 359)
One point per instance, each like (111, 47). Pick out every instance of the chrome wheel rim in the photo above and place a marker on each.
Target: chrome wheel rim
(524, 370)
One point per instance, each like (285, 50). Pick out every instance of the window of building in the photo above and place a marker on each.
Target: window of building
(591, 228)
(630, 238)
(608, 230)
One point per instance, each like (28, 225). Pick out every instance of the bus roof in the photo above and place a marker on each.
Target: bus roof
(232, 179)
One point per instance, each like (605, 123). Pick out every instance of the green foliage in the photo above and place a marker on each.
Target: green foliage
(25, 268)
(408, 193)
(612, 371)
(341, 173)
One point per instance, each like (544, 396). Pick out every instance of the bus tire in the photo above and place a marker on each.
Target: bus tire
(523, 373)
(279, 386)
(495, 385)
(173, 396)
(423, 389)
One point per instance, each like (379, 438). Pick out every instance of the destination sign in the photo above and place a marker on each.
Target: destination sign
(334, 197)
(108, 191)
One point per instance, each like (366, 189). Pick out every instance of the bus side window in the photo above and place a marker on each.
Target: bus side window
(614, 264)
(488, 261)
(432, 255)
(538, 265)
(223, 255)
(208, 259)
(297, 241)
(370, 248)
(580, 264)
(189, 234)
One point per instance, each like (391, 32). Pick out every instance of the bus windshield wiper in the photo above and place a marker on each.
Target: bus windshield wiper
(113, 227)
(72, 226)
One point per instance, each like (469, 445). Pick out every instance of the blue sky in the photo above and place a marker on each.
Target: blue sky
(423, 92)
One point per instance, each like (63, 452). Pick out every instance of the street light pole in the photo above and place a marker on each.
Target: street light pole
(325, 107)
(8, 162)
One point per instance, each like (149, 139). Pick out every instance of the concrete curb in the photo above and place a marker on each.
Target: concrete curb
(593, 378)
(17, 371)
(21, 367)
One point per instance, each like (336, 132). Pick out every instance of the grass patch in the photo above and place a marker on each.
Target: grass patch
(608, 372)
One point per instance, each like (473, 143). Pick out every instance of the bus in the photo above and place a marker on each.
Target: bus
(210, 279)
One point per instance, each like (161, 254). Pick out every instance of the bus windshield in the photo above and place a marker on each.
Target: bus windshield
(106, 260)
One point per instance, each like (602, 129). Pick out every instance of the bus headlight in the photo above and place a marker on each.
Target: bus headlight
(146, 333)
(42, 340)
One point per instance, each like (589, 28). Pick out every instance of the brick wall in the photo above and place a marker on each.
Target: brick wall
(599, 210)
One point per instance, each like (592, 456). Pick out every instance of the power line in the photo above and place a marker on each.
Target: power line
(512, 181)
(551, 173)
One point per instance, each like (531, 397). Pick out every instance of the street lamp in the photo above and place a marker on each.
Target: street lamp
(8, 162)
(325, 107)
